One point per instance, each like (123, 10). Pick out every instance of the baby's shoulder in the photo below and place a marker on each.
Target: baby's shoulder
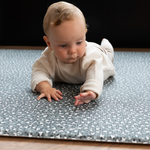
(47, 56)
(47, 52)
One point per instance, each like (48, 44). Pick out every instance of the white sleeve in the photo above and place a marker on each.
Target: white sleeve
(38, 75)
(40, 71)
(94, 77)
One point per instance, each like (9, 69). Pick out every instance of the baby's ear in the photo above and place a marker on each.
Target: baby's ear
(47, 42)
(86, 31)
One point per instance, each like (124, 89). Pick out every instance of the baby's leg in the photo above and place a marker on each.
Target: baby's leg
(109, 51)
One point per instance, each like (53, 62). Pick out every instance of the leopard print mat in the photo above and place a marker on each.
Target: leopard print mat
(121, 114)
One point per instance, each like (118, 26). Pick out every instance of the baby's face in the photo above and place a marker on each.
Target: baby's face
(67, 40)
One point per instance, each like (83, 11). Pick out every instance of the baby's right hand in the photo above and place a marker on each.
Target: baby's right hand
(49, 92)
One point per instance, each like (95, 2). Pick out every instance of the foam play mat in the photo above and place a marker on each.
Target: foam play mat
(121, 114)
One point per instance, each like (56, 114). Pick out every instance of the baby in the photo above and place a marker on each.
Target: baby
(69, 57)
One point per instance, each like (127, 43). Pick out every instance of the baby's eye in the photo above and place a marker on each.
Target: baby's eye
(78, 43)
(63, 46)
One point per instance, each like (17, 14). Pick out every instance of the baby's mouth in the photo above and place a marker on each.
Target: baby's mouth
(73, 56)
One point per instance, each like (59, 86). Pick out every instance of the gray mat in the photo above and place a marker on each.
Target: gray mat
(121, 114)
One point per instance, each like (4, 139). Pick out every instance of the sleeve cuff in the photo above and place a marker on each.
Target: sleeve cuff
(92, 85)
(35, 83)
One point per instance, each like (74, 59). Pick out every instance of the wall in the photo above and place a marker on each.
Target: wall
(124, 23)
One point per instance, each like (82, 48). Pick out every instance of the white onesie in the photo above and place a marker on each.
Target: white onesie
(92, 69)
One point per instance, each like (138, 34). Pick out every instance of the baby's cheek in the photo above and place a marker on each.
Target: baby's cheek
(60, 55)
(83, 52)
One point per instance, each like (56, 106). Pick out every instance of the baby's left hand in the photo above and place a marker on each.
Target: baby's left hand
(85, 97)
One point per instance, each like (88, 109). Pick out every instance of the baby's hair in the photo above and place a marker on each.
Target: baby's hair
(60, 12)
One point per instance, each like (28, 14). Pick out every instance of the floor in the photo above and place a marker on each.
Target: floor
(7, 143)
(13, 143)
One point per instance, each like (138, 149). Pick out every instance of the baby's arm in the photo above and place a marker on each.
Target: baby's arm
(92, 87)
(85, 97)
(47, 91)
(40, 78)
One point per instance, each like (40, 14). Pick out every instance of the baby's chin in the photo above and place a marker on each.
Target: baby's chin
(71, 61)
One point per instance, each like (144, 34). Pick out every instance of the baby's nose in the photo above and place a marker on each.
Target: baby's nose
(73, 53)
(72, 49)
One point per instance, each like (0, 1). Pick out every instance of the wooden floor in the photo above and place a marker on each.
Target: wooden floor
(11, 143)
(7, 143)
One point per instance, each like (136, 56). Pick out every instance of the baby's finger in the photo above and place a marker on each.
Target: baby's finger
(48, 97)
(84, 94)
(77, 97)
(59, 92)
(54, 97)
(87, 101)
(80, 102)
(76, 102)
(41, 96)
(58, 96)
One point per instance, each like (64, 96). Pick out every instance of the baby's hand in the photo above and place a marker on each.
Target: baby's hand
(50, 92)
(85, 97)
